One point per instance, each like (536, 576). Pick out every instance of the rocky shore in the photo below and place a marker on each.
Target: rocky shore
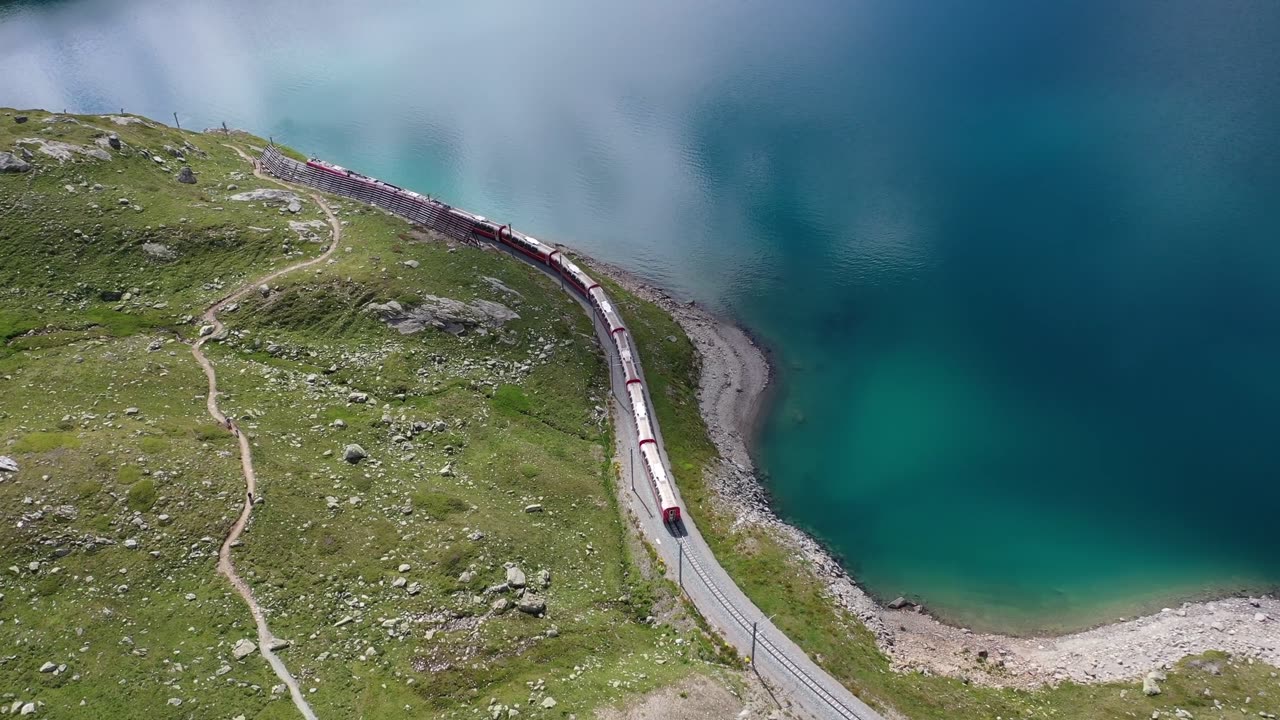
(735, 378)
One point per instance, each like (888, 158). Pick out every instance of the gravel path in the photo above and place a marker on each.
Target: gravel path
(225, 564)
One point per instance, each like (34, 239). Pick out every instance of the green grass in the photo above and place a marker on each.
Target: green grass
(91, 324)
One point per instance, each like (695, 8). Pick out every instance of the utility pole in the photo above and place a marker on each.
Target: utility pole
(175, 121)
(753, 644)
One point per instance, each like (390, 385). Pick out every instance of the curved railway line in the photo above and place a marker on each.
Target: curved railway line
(779, 662)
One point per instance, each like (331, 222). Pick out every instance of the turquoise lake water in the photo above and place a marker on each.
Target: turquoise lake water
(1019, 263)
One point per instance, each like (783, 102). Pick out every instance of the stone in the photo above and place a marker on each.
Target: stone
(185, 175)
(515, 577)
(243, 649)
(548, 702)
(354, 453)
(404, 568)
(358, 398)
(263, 290)
(114, 141)
(898, 603)
(531, 604)
(176, 702)
(206, 330)
(27, 709)
(544, 578)
(19, 119)
(10, 163)
(8, 464)
(339, 423)
(1151, 683)
(294, 206)
(411, 264)
(331, 502)
(277, 644)
(447, 470)
(414, 588)
(48, 667)
(534, 508)
(501, 605)
(131, 411)
(1260, 617)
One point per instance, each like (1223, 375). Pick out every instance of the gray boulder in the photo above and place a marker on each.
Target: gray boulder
(19, 119)
(1151, 683)
(244, 648)
(114, 141)
(8, 464)
(354, 453)
(531, 604)
(186, 176)
(10, 163)
(515, 577)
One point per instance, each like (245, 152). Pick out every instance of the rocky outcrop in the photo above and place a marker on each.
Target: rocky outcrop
(452, 316)
(62, 151)
(267, 195)
(159, 251)
(185, 175)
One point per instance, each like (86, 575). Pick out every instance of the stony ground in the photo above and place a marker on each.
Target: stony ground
(436, 530)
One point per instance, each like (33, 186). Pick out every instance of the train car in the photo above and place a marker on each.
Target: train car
(461, 223)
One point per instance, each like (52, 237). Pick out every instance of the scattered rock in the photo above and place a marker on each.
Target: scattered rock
(1151, 683)
(48, 667)
(358, 397)
(534, 508)
(114, 141)
(8, 464)
(411, 264)
(548, 702)
(294, 206)
(243, 649)
(159, 251)
(277, 644)
(19, 119)
(899, 603)
(354, 453)
(447, 470)
(185, 175)
(263, 290)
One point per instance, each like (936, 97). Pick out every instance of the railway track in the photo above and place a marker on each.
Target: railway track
(808, 686)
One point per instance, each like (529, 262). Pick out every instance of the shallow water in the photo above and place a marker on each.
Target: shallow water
(1018, 262)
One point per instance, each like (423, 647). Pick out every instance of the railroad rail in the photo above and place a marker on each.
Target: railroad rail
(453, 223)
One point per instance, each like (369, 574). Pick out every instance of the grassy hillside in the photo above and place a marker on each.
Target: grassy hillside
(485, 449)
(1214, 685)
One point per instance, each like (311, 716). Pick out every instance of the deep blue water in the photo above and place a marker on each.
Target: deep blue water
(1019, 262)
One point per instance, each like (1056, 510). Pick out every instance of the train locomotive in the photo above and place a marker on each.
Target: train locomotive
(460, 223)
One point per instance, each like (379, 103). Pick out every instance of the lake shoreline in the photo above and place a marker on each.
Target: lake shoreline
(736, 387)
